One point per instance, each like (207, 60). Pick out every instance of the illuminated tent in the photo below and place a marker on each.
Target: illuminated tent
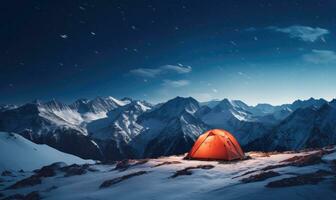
(216, 144)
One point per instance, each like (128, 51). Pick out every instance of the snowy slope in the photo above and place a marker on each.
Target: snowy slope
(18, 153)
(154, 179)
(120, 123)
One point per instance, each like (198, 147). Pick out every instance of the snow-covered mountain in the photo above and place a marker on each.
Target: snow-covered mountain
(60, 125)
(307, 127)
(114, 132)
(110, 129)
(169, 129)
(51, 123)
(307, 103)
(97, 108)
(235, 116)
(18, 153)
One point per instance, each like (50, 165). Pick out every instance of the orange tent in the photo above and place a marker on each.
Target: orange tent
(216, 144)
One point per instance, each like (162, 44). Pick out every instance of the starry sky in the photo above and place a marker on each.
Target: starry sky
(258, 51)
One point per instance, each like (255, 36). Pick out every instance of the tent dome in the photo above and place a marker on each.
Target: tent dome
(216, 144)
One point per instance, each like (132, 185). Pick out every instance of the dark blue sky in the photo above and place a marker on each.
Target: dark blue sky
(256, 51)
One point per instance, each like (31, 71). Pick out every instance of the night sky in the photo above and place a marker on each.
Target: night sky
(257, 51)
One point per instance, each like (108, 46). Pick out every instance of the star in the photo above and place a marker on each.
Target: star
(64, 36)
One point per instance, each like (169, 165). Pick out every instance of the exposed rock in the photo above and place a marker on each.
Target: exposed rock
(304, 179)
(49, 170)
(31, 196)
(297, 161)
(108, 183)
(125, 164)
(167, 163)
(260, 177)
(187, 171)
(30, 181)
(14, 197)
(46, 171)
(305, 160)
(73, 170)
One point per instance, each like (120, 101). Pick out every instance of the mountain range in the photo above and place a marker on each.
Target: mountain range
(106, 128)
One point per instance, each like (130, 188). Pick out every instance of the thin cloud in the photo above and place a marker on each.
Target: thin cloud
(146, 72)
(175, 83)
(181, 69)
(154, 72)
(320, 57)
(244, 75)
(304, 33)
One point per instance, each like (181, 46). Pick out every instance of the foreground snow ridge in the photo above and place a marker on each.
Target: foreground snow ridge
(18, 153)
(290, 175)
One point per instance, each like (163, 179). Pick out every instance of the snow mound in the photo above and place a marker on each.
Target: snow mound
(18, 153)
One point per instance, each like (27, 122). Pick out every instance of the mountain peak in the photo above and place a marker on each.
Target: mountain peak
(36, 101)
(307, 103)
(182, 102)
(179, 98)
(229, 104)
(174, 108)
(55, 105)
